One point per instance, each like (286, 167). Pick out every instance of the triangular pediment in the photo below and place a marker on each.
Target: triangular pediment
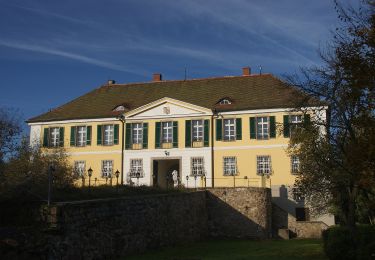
(167, 107)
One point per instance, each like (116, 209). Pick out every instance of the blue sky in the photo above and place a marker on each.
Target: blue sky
(54, 51)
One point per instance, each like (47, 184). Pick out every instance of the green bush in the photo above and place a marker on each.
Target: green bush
(340, 243)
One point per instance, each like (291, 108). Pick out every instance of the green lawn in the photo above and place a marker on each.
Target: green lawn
(241, 249)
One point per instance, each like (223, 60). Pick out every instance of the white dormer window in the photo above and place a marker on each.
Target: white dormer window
(119, 108)
(225, 101)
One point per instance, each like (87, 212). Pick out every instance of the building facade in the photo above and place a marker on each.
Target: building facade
(215, 132)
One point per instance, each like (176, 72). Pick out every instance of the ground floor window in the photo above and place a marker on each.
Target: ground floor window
(264, 165)
(79, 168)
(136, 168)
(107, 168)
(295, 164)
(230, 166)
(197, 166)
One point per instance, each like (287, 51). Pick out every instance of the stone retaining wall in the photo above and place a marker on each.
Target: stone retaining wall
(111, 228)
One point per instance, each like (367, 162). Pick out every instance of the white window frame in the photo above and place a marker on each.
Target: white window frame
(230, 165)
(229, 128)
(294, 164)
(167, 132)
(262, 127)
(225, 102)
(197, 130)
(54, 136)
(136, 166)
(78, 169)
(107, 168)
(264, 165)
(197, 166)
(137, 133)
(108, 134)
(81, 135)
(294, 122)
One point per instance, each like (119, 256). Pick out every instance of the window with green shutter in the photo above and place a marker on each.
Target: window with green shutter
(238, 129)
(188, 133)
(145, 136)
(286, 129)
(73, 136)
(46, 137)
(157, 134)
(175, 134)
(115, 134)
(272, 127)
(253, 134)
(206, 133)
(306, 120)
(219, 129)
(88, 135)
(128, 136)
(99, 135)
(61, 141)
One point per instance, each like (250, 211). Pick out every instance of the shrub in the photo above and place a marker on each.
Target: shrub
(340, 243)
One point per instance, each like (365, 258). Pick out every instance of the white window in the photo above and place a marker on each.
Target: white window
(295, 164)
(167, 129)
(107, 168)
(80, 168)
(229, 129)
(108, 135)
(81, 135)
(225, 102)
(197, 166)
(262, 128)
(264, 165)
(137, 133)
(136, 168)
(294, 122)
(230, 166)
(197, 130)
(54, 136)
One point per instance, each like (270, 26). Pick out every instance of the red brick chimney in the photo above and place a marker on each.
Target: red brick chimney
(156, 77)
(246, 71)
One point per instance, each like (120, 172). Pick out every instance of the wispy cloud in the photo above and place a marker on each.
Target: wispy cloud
(69, 55)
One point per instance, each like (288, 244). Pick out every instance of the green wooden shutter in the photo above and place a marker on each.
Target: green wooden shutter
(99, 135)
(73, 135)
(206, 133)
(157, 134)
(46, 137)
(272, 127)
(238, 129)
(128, 136)
(306, 120)
(61, 141)
(115, 134)
(253, 134)
(286, 129)
(145, 135)
(88, 135)
(175, 134)
(219, 129)
(188, 133)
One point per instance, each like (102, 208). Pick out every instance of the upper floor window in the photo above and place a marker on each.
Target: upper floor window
(294, 122)
(53, 137)
(264, 165)
(167, 132)
(197, 166)
(136, 168)
(80, 168)
(107, 134)
(137, 133)
(197, 130)
(229, 129)
(230, 166)
(80, 135)
(295, 164)
(107, 168)
(262, 128)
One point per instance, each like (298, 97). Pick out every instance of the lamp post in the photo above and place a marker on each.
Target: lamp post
(138, 174)
(122, 119)
(195, 181)
(245, 178)
(51, 169)
(89, 173)
(95, 180)
(117, 174)
(187, 181)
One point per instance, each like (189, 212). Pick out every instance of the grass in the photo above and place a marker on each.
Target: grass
(241, 249)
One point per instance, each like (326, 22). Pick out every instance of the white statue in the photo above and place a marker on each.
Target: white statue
(175, 178)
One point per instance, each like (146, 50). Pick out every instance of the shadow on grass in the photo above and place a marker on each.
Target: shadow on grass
(241, 249)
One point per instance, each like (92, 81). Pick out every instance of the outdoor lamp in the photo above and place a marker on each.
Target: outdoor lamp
(89, 171)
(117, 173)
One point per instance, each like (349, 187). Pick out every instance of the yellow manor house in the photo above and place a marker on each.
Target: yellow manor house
(212, 132)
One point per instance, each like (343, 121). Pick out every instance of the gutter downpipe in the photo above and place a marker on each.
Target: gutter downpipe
(122, 119)
(212, 148)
